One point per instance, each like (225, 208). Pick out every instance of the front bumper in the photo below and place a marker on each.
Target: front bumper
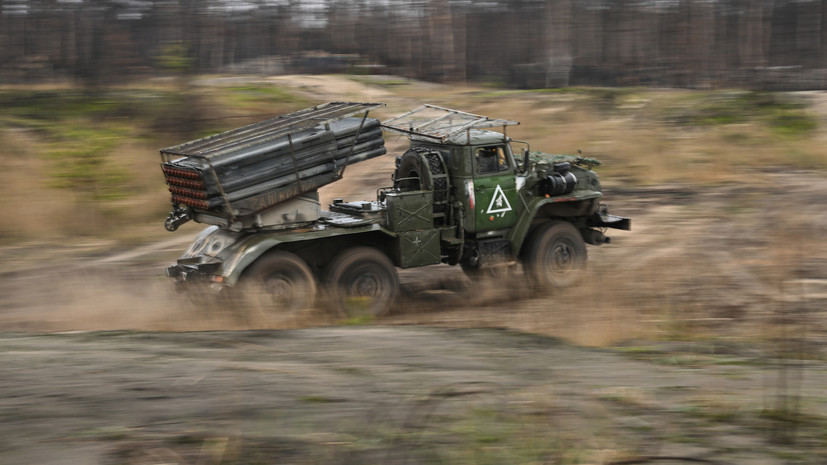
(201, 283)
(190, 270)
(602, 219)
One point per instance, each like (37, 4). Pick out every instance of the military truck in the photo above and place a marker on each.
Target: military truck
(458, 195)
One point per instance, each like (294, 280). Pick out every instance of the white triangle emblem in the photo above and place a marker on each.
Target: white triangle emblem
(499, 203)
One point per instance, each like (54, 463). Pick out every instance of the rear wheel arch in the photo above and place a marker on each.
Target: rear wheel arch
(319, 253)
(316, 252)
(547, 210)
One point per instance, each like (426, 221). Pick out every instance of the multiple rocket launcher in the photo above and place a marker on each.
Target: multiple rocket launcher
(248, 169)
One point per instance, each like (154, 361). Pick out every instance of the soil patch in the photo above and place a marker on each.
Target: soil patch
(390, 395)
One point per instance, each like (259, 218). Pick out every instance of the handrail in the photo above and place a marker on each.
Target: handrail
(417, 123)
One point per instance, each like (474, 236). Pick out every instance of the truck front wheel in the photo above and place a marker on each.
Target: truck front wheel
(556, 255)
(279, 283)
(361, 281)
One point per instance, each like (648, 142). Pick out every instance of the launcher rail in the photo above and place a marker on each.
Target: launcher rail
(239, 173)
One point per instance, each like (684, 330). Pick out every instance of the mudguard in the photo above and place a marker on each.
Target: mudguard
(226, 254)
(520, 231)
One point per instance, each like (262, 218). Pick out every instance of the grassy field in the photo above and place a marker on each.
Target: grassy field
(85, 164)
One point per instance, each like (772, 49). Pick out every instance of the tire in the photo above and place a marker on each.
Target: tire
(409, 173)
(278, 284)
(555, 256)
(424, 169)
(361, 282)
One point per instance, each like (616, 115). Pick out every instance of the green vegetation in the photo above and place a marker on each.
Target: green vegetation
(599, 96)
(781, 113)
(92, 151)
(176, 57)
(261, 94)
(380, 81)
(792, 123)
(489, 436)
(83, 161)
(479, 433)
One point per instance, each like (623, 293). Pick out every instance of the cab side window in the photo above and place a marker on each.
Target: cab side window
(491, 159)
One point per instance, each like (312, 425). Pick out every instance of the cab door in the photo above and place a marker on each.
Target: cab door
(495, 192)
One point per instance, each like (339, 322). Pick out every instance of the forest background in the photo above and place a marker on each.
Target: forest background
(756, 44)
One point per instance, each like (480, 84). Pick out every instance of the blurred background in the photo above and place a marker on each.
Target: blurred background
(756, 44)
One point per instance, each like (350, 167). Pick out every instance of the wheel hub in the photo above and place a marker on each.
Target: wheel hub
(562, 258)
(281, 290)
(365, 286)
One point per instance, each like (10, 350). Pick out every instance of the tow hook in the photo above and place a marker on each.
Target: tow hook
(595, 237)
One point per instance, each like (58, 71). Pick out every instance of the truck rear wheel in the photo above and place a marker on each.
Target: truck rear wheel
(361, 281)
(279, 283)
(556, 255)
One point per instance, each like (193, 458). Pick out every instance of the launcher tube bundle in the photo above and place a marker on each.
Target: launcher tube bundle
(239, 173)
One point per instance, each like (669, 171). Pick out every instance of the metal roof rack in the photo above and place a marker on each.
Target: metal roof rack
(440, 123)
(270, 129)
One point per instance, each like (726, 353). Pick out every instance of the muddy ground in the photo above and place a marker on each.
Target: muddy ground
(709, 314)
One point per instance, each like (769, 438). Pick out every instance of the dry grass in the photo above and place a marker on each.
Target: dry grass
(641, 135)
(40, 211)
(643, 139)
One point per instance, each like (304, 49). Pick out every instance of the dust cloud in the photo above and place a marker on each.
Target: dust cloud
(89, 300)
(699, 262)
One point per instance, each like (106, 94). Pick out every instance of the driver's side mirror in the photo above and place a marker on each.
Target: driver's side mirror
(525, 160)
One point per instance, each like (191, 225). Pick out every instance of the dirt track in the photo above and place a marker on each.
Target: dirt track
(383, 395)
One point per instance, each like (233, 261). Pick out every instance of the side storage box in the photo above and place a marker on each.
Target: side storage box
(411, 210)
(417, 248)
